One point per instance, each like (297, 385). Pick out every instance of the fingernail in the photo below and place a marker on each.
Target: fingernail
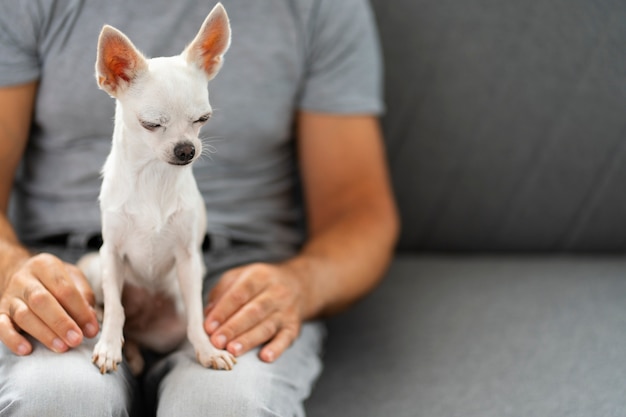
(221, 341)
(269, 356)
(23, 349)
(58, 345)
(235, 348)
(91, 330)
(213, 326)
(73, 337)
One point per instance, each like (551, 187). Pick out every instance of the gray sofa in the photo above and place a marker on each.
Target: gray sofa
(506, 136)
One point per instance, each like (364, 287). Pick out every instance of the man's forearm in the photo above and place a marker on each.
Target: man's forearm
(346, 259)
(352, 218)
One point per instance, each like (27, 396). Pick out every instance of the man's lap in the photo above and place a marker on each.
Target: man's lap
(252, 388)
(68, 384)
(50, 384)
(46, 383)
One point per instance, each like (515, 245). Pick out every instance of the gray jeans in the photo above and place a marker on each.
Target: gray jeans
(49, 384)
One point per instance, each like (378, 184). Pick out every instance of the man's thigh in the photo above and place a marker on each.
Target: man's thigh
(45, 383)
(181, 386)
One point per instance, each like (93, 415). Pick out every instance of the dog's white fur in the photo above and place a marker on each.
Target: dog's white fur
(153, 216)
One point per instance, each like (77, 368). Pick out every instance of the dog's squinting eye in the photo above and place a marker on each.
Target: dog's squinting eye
(203, 119)
(150, 126)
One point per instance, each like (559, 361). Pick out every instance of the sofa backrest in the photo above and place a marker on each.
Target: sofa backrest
(506, 123)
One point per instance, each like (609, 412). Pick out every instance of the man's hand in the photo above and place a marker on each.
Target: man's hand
(256, 304)
(352, 227)
(49, 300)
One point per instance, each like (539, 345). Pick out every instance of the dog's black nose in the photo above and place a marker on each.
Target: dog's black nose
(184, 152)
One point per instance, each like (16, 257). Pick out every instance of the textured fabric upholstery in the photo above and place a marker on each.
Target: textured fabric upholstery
(506, 135)
(506, 122)
(482, 336)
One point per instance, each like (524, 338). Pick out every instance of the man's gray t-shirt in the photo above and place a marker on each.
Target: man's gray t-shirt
(285, 56)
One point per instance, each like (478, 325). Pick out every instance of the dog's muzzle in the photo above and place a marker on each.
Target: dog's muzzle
(184, 153)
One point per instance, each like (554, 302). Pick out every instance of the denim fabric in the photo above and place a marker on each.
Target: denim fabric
(49, 384)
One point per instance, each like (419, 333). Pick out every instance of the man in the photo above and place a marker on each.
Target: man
(296, 104)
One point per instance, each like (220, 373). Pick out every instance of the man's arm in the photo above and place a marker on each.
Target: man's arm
(353, 226)
(16, 104)
(39, 294)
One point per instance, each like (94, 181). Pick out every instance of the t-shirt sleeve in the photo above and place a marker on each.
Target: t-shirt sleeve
(19, 58)
(343, 56)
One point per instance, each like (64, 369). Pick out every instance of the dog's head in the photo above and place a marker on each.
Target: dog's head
(164, 101)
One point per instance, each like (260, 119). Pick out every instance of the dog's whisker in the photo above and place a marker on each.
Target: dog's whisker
(211, 139)
(205, 154)
(207, 148)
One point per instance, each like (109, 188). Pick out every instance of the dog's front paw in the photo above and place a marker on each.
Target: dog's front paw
(107, 356)
(210, 357)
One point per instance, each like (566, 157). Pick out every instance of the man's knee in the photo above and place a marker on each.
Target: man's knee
(69, 391)
(253, 388)
(244, 401)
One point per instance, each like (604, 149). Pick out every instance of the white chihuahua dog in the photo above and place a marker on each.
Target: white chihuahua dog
(153, 216)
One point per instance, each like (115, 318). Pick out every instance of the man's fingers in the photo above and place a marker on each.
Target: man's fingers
(29, 322)
(44, 301)
(225, 282)
(260, 306)
(279, 344)
(239, 293)
(262, 332)
(11, 338)
(81, 283)
(43, 304)
(253, 315)
(60, 304)
(56, 300)
(82, 308)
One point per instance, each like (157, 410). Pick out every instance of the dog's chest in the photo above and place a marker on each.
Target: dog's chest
(149, 220)
(149, 251)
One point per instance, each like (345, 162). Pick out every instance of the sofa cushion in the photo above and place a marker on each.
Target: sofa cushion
(481, 337)
(505, 122)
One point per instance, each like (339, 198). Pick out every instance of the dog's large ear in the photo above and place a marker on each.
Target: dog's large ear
(206, 51)
(118, 62)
